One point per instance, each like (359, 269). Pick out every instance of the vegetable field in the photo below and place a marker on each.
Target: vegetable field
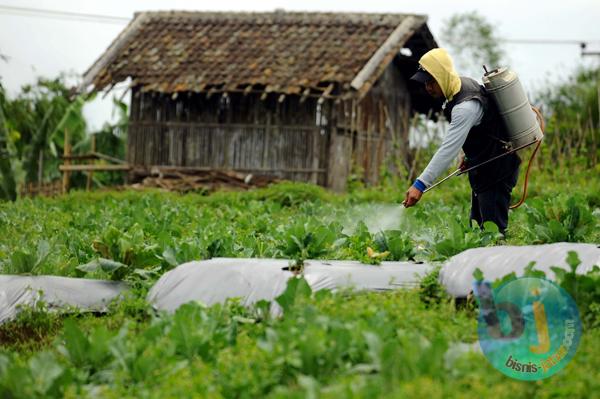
(343, 344)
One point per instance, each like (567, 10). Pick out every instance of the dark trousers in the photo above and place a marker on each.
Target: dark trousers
(492, 204)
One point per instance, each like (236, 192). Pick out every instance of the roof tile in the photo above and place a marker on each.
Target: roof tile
(288, 51)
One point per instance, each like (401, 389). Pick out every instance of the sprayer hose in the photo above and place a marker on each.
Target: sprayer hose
(542, 124)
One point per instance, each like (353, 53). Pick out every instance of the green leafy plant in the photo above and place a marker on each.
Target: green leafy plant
(584, 288)
(557, 219)
(306, 240)
(25, 262)
(116, 270)
(296, 289)
(89, 353)
(360, 243)
(40, 377)
(431, 291)
(291, 194)
(199, 331)
(457, 237)
(398, 243)
(333, 344)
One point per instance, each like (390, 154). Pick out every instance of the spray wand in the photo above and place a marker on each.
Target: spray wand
(461, 171)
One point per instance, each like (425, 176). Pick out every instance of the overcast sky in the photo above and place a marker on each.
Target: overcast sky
(44, 46)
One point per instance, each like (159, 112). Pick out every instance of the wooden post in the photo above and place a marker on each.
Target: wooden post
(315, 136)
(67, 161)
(90, 174)
(382, 140)
(371, 124)
(339, 153)
(40, 168)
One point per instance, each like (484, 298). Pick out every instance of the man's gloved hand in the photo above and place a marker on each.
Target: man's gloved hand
(413, 195)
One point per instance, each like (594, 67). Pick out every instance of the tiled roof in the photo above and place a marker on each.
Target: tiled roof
(283, 51)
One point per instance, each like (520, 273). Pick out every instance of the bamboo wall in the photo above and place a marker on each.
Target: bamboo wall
(292, 139)
(372, 133)
(46, 189)
(235, 132)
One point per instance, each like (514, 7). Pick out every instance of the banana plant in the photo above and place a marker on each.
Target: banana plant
(35, 117)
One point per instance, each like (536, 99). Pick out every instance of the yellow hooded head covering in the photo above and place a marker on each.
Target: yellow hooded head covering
(439, 64)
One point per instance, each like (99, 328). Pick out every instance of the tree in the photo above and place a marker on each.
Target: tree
(32, 128)
(473, 41)
(572, 114)
(34, 116)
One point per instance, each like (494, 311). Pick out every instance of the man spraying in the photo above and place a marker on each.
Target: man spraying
(477, 128)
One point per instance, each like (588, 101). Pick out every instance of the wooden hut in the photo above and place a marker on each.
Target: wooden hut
(301, 96)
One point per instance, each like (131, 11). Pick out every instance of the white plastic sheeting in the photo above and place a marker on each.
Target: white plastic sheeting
(495, 262)
(56, 292)
(213, 281)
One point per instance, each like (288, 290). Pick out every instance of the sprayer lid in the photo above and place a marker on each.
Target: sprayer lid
(498, 77)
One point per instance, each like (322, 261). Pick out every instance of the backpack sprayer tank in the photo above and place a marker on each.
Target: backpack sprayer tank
(524, 123)
(522, 126)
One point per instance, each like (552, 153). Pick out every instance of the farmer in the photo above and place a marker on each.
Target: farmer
(476, 127)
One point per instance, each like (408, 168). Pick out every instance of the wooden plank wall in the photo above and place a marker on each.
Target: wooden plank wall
(392, 88)
(229, 132)
(372, 132)
(291, 139)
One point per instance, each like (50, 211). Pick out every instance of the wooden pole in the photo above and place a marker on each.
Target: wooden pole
(369, 116)
(90, 174)
(315, 136)
(382, 135)
(93, 167)
(40, 168)
(67, 161)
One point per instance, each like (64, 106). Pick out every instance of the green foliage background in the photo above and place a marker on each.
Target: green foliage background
(32, 128)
